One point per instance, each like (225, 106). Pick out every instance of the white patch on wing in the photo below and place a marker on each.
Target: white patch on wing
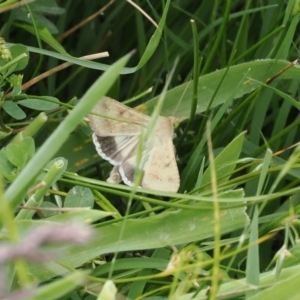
(115, 149)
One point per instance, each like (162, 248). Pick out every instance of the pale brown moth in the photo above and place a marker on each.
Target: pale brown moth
(116, 136)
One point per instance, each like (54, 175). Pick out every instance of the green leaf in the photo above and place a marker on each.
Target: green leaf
(155, 39)
(28, 147)
(38, 104)
(235, 288)
(48, 204)
(6, 167)
(284, 289)
(44, 34)
(225, 162)
(20, 154)
(170, 228)
(40, 20)
(79, 196)
(48, 7)
(38, 8)
(80, 151)
(135, 263)
(14, 110)
(86, 216)
(17, 50)
(60, 287)
(260, 70)
(15, 155)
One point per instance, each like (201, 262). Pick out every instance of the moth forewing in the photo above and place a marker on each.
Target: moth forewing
(164, 129)
(116, 119)
(160, 170)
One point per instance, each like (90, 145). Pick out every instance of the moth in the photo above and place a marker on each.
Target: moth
(116, 136)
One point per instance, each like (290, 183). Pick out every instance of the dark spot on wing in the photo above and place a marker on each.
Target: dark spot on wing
(108, 145)
(128, 170)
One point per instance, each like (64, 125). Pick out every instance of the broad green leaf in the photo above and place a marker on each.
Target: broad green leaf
(37, 8)
(170, 228)
(284, 289)
(17, 50)
(85, 215)
(14, 110)
(38, 104)
(159, 263)
(134, 262)
(79, 150)
(235, 288)
(60, 287)
(6, 167)
(15, 155)
(40, 20)
(79, 196)
(48, 204)
(48, 7)
(28, 147)
(19, 154)
(225, 162)
(178, 100)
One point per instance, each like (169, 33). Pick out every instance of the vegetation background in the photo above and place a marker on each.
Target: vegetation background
(231, 231)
